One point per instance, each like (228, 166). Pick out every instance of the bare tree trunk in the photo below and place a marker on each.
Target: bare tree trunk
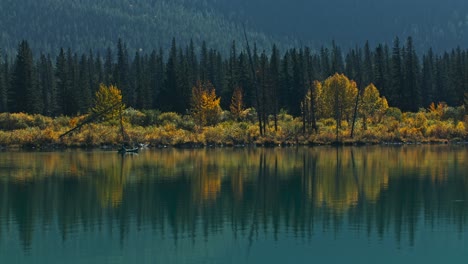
(252, 67)
(355, 112)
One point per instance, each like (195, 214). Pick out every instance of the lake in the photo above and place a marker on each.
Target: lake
(375, 204)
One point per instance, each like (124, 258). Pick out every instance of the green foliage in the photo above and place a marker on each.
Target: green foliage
(21, 121)
(134, 117)
(453, 113)
(395, 113)
(169, 118)
(151, 117)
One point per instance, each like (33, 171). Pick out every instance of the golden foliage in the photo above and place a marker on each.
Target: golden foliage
(108, 102)
(371, 104)
(437, 111)
(206, 108)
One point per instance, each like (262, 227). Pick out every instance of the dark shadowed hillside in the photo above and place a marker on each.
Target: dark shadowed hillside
(143, 24)
(148, 24)
(439, 24)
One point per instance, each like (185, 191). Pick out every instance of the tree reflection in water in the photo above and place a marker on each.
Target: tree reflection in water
(196, 193)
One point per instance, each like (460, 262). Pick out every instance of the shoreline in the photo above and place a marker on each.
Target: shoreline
(114, 147)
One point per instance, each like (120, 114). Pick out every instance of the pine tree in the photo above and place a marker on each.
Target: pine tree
(122, 70)
(381, 69)
(411, 94)
(84, 87)
(396, 81)
(368, 69)
(337, 65)
(170, 94)
(24, 90)
(46, 81)
(109, 68)
(61, 75)
(73, 95)
(156, 79)
(3, 88)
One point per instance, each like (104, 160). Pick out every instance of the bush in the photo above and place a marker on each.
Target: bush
(394, 113)
(135, 117)
(186, 123)
(169, 118)
(16, 121)
(454, 113)
(151, 117)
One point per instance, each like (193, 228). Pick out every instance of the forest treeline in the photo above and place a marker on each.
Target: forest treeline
(65, 84)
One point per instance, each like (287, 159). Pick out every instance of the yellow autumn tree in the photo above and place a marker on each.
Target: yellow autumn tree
(372, 105)
(237, 104)
(205, 105)
(108, 103)
(338, 95)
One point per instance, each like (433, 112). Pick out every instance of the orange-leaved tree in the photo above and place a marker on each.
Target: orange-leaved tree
(205, 105)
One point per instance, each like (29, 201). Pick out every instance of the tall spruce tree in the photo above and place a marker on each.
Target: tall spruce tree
(411, 93)
(46, 81)
(24, 91)
(171, 96)
(3, 87)
(396, 86)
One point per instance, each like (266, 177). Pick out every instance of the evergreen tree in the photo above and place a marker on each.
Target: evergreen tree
(156, 79)
(231, 76)
(381, 69)
(367, 67)
(46, 82)
(3, 90)
(204, 62)
(337, 65)
(171, 96)
(84, 85)
(428, 88)
(61, 75)
(411, 93)
(285, 82)
(396, 83)
(24, 91)
(74, 99)
(122, 70)
(109, 68)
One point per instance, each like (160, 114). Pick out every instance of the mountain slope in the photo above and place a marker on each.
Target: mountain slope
(89, 24)
(431, 23)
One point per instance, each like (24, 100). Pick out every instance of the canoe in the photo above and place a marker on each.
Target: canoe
(124, 150)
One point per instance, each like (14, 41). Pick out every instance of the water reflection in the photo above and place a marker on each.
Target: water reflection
(187, 195)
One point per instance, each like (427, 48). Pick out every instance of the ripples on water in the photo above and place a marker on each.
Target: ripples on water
(288, 205)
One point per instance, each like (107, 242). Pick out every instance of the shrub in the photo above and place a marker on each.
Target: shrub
(186, 123)
(134, 117)
(213, 135)
(454, 113)
(169, 118)
(394, 113)
(151, 117)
